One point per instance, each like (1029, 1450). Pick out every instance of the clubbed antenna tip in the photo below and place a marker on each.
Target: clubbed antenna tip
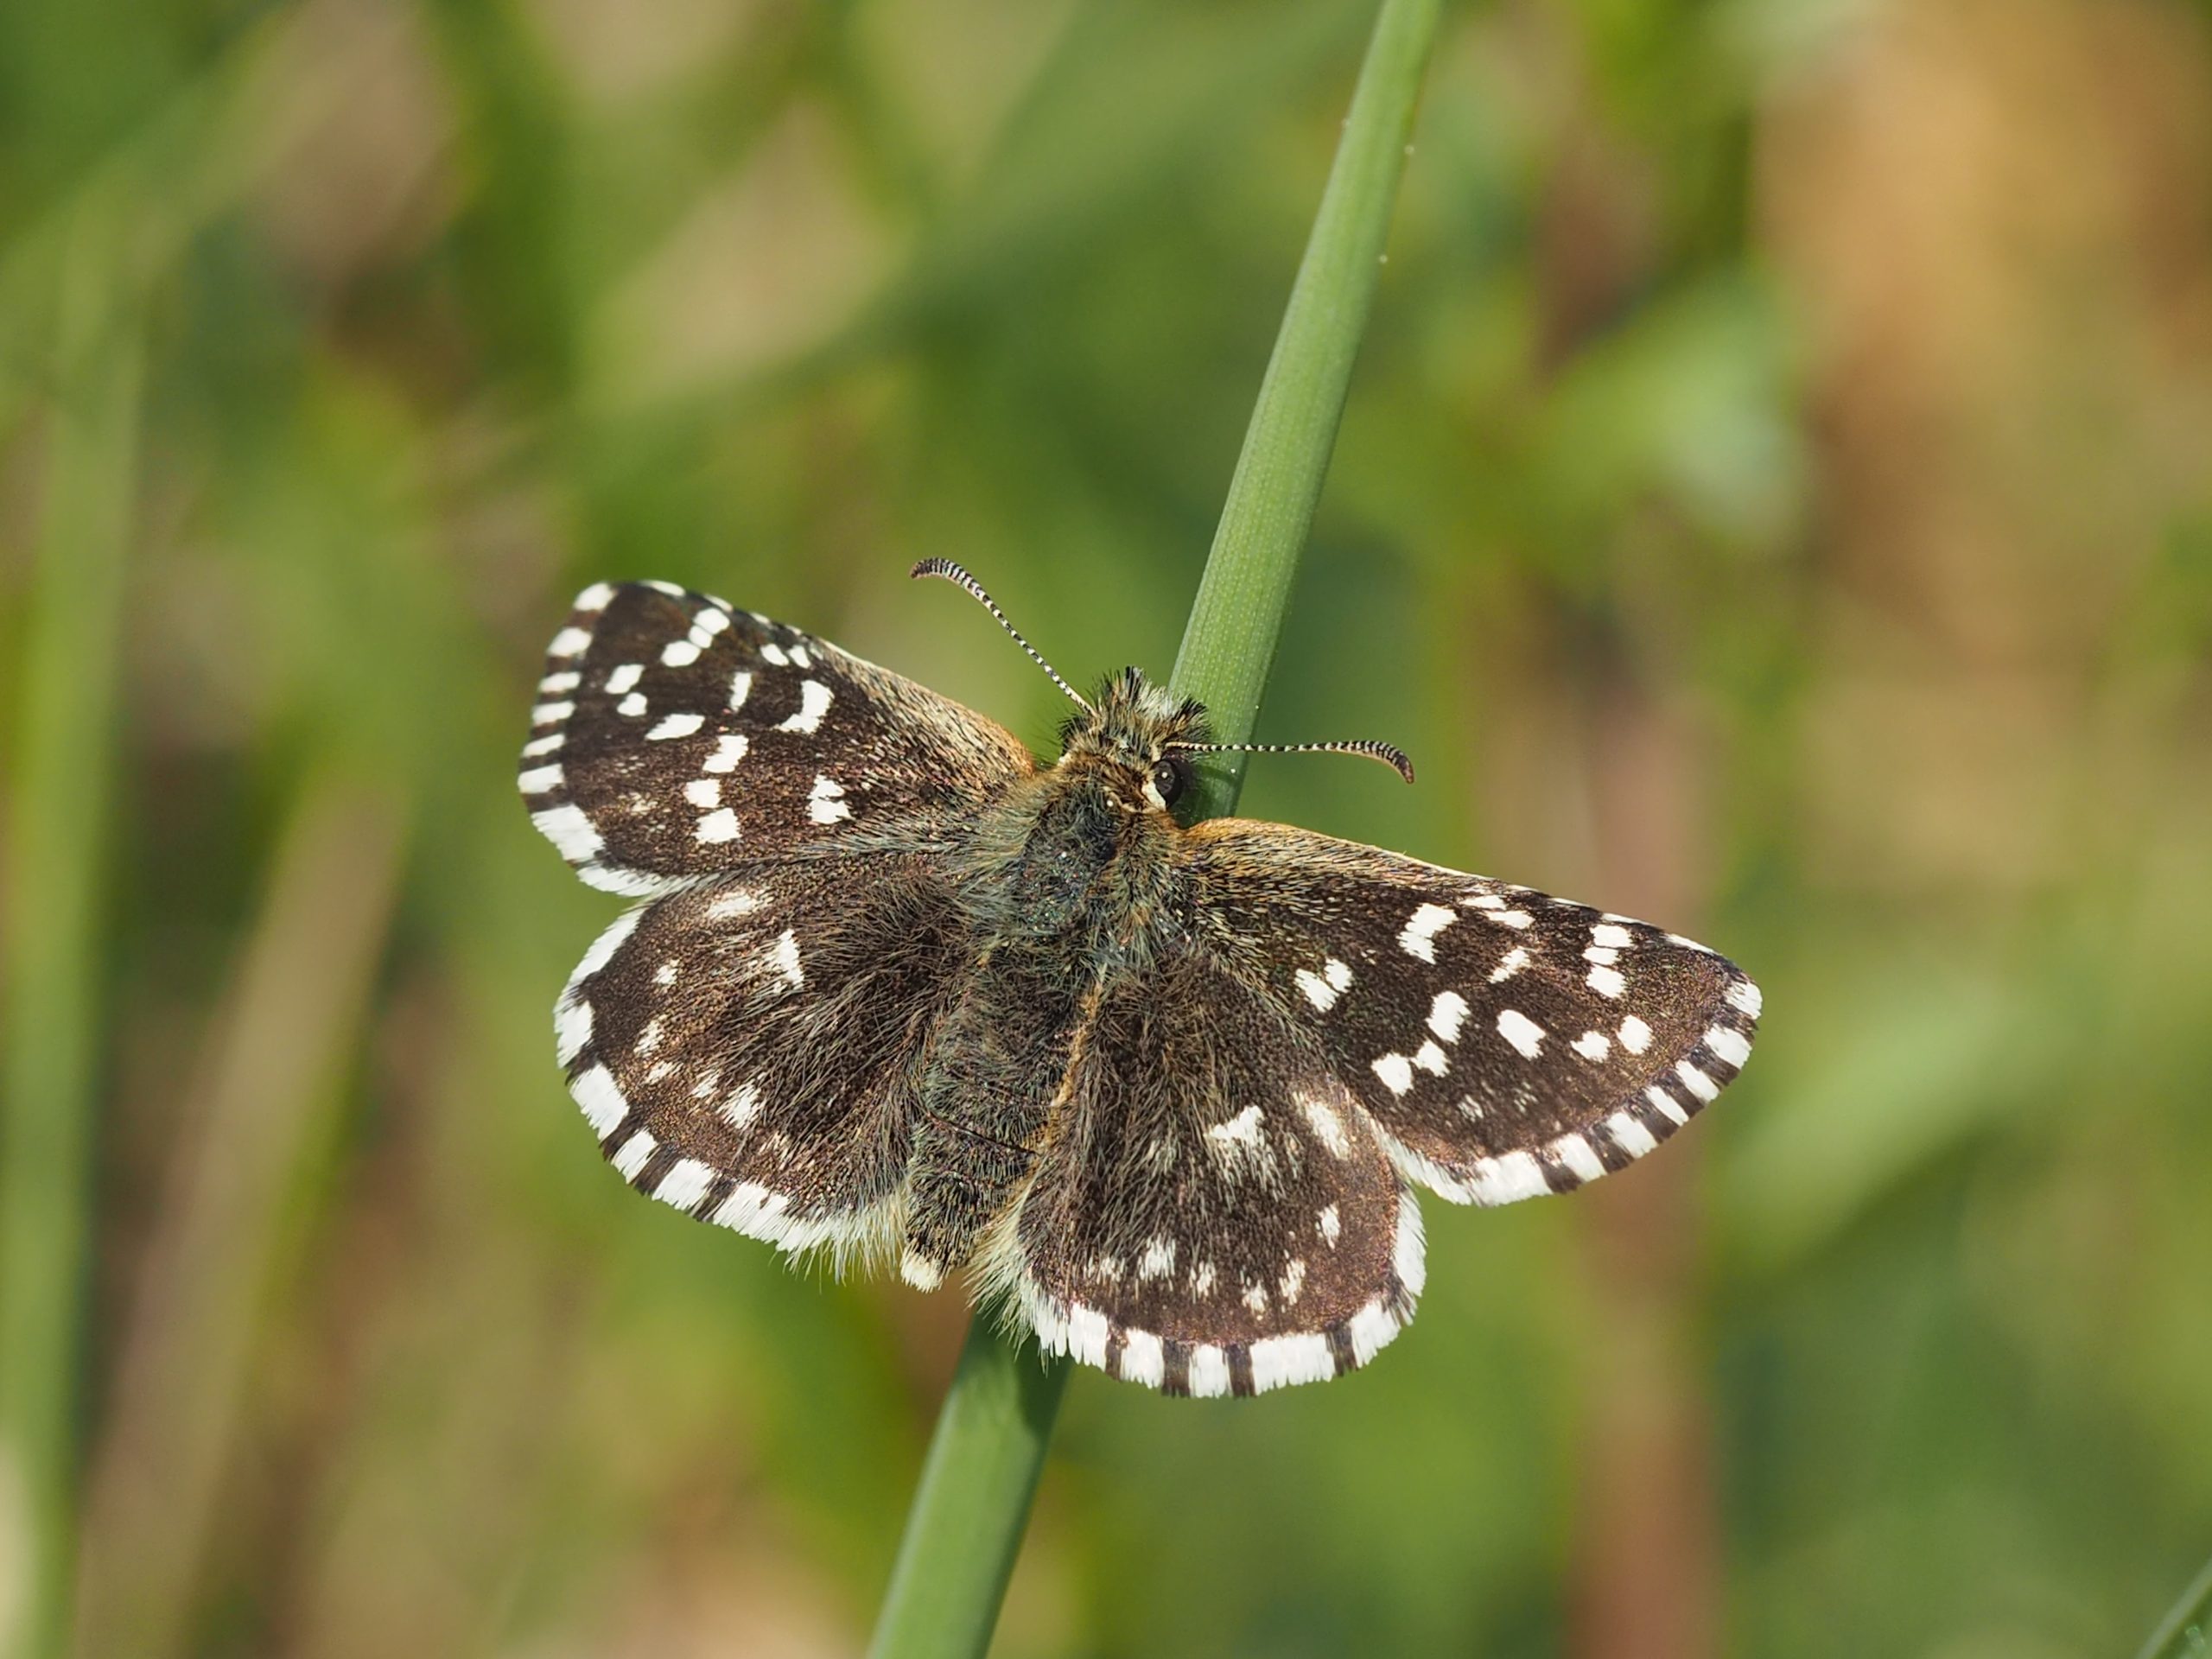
(1388, 754)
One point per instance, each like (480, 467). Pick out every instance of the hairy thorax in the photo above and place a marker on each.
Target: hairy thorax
(1069, 888)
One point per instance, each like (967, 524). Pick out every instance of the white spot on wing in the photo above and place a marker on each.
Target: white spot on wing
(632, 707)
(679, 653)
(685, 1184)
(1524, 1033)
(569, 831)
(1430, 1059)
(1695, 1081)
(1087, 1334)
(624, 678)
(741, 686)
(1144, 1358)
(604, 947)
(784, 958)
(1578, 1155)
(1630, 1136)
(1730, 1045)
(1608, 936)
(705, 793)
(1418, 936)
(1511, 964)
(1635, 1036)
(1331, 1225)
(774, 653)
(571, 1029)
(1158, 1260)
(738, 901)
(814, 700)
(681, 725)
(632, 1155)
(827, 804)
(1592, 1045)
(1508, 1179)
(729, 749)
(1607, 982)
(1396, 1072)
(1209, 1370)
(1279, 1362)
(539, 780)
(716, 827)
(595, 1092)
(1243, 1129)
(547, 713)
(1328, 1127)
(1322, 989)
(569, 642)
(1744, 997)
(741, 1106)
(1447, 1014)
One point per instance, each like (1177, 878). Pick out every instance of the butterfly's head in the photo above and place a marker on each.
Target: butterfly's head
(1140, 735)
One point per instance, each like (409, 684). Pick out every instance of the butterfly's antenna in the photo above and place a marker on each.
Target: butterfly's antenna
(952, 572)
(1388, 754)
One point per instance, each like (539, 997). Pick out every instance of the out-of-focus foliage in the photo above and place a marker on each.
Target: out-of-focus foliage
(1773, 500)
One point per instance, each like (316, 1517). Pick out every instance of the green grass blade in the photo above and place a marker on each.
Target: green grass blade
(2187, 1631)
(1230, 643)
(59, 813)
(965, 1528)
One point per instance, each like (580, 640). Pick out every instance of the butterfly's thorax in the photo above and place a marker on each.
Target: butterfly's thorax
(1068, 886)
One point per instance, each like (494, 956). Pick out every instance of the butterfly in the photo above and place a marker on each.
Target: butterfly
(894, 990)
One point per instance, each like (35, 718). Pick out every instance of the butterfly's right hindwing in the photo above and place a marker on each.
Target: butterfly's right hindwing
(675, 736)
(1210, 1212)
(747, 1048)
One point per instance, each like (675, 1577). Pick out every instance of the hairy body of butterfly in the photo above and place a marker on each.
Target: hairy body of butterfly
(895, 991)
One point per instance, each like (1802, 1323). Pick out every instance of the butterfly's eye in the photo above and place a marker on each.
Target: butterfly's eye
(1167, 780)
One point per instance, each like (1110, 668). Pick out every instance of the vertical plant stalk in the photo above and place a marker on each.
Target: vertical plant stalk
(964, 1530)
(264, 1103)
(1228, 645)
(57, 819)
(2187, 1631)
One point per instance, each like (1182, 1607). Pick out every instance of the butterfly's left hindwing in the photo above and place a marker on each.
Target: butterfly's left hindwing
(675, 736)
(1505, 1043)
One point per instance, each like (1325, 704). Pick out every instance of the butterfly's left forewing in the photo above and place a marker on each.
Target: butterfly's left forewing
(1505, 1043)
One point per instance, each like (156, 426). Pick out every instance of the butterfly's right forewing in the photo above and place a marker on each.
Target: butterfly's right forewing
(1505, 1043)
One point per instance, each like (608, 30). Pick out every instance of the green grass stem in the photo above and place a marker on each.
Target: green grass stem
(964, 1530)
(2187, 1631)
(59, 815)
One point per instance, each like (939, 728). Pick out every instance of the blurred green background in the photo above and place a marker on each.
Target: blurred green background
(1774, 500)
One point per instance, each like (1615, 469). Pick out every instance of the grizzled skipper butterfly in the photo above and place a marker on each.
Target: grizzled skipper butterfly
(893, 988)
